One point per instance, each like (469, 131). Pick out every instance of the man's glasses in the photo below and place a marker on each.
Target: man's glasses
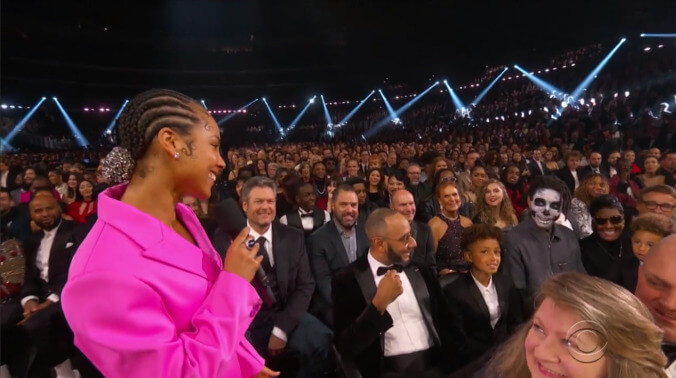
(406, 239)
(652, 205)
(617, 219)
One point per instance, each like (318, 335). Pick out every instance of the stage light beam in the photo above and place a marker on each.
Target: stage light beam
(545, 86)
(274, 118)
(658, 35)
(300, 115)
(585, 83)
(327, 116)
(395, 116)
(355, 109)
(79, 137)
(454, 97)
(6, 146)
(390, 110)
(111, 126)
(488, 88)
(238, 111)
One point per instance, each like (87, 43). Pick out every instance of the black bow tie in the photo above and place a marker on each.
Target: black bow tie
(384, 269)
(307, 215)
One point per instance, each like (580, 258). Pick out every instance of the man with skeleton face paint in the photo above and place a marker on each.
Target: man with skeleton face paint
(538, 247)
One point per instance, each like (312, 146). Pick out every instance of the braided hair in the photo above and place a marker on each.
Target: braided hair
(150, 111)
(140, 121)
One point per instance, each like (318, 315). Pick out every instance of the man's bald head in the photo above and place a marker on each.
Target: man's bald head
(403, 202)
(376, 223)
(657, 285)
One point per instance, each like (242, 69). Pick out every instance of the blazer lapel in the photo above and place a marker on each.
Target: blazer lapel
(281, 268)
(476, 296)
(367, 283)
(338, 246)
(503, 296)
(362, 241)
(59, 244)
(422, 295)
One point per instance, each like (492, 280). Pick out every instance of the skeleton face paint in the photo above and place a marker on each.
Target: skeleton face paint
(545, 207)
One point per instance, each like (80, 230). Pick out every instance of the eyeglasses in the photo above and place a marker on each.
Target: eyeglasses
(406, 239)
(652, 205)
(449, 179)
(616, 219)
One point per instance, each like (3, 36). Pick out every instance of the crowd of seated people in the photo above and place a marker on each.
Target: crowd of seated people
(470, 236)
(416, 252)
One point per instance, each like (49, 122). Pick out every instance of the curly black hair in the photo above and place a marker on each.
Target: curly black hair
(476, 232)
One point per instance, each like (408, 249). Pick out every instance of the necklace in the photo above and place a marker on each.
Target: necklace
(320, 192)
(449, 218)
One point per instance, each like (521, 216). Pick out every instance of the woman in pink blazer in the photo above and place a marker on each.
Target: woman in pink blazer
(147, 295)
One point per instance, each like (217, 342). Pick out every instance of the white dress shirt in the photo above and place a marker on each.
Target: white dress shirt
(268, 240)
(42, 263)
(490, 295)
(613, 172)
(307, 222)
(409, 332)
(3, 179)
(268, 248)
(577, 180)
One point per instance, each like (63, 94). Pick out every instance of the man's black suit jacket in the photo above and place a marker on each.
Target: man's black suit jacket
(587, 171)
(60, 256)
(294, 278)
(327, 257)
(567, 177)
(535, 170)
(359, 326)
(424, 253)
(471, 317)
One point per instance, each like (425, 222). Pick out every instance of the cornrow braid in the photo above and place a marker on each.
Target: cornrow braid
(148, 112)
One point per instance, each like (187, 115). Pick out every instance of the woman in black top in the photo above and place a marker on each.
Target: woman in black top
(607, 252)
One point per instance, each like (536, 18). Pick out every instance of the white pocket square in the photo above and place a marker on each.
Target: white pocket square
(69, 244)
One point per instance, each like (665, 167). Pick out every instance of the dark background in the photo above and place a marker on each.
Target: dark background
(228, 52)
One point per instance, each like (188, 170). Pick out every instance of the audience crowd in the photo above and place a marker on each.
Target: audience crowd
(454, 243)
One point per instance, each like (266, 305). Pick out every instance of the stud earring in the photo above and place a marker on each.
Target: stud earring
(176, 155)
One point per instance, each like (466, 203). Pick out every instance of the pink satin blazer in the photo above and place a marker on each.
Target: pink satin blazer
(144, 302)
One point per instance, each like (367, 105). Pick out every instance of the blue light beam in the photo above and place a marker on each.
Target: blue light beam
(226, 118)
(374, 130)
(111, 126)
(393, 114)
(79, 138)
(653, 35)
(327, 116)
(203, 103)
(545, 86)
(274, 118)
(300, 115)
(454, 97)
(356, 108)
(585, 83)
(488, 88)
(6, 146)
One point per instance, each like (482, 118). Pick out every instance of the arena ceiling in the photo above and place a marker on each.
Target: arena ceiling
(234, 50)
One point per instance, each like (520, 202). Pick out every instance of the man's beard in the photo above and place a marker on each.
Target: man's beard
(50, 227)
(395, 258)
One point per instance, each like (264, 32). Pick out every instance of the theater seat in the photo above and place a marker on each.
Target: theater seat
(447, 279)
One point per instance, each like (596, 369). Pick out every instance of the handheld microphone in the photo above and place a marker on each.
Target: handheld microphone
(231, 220)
